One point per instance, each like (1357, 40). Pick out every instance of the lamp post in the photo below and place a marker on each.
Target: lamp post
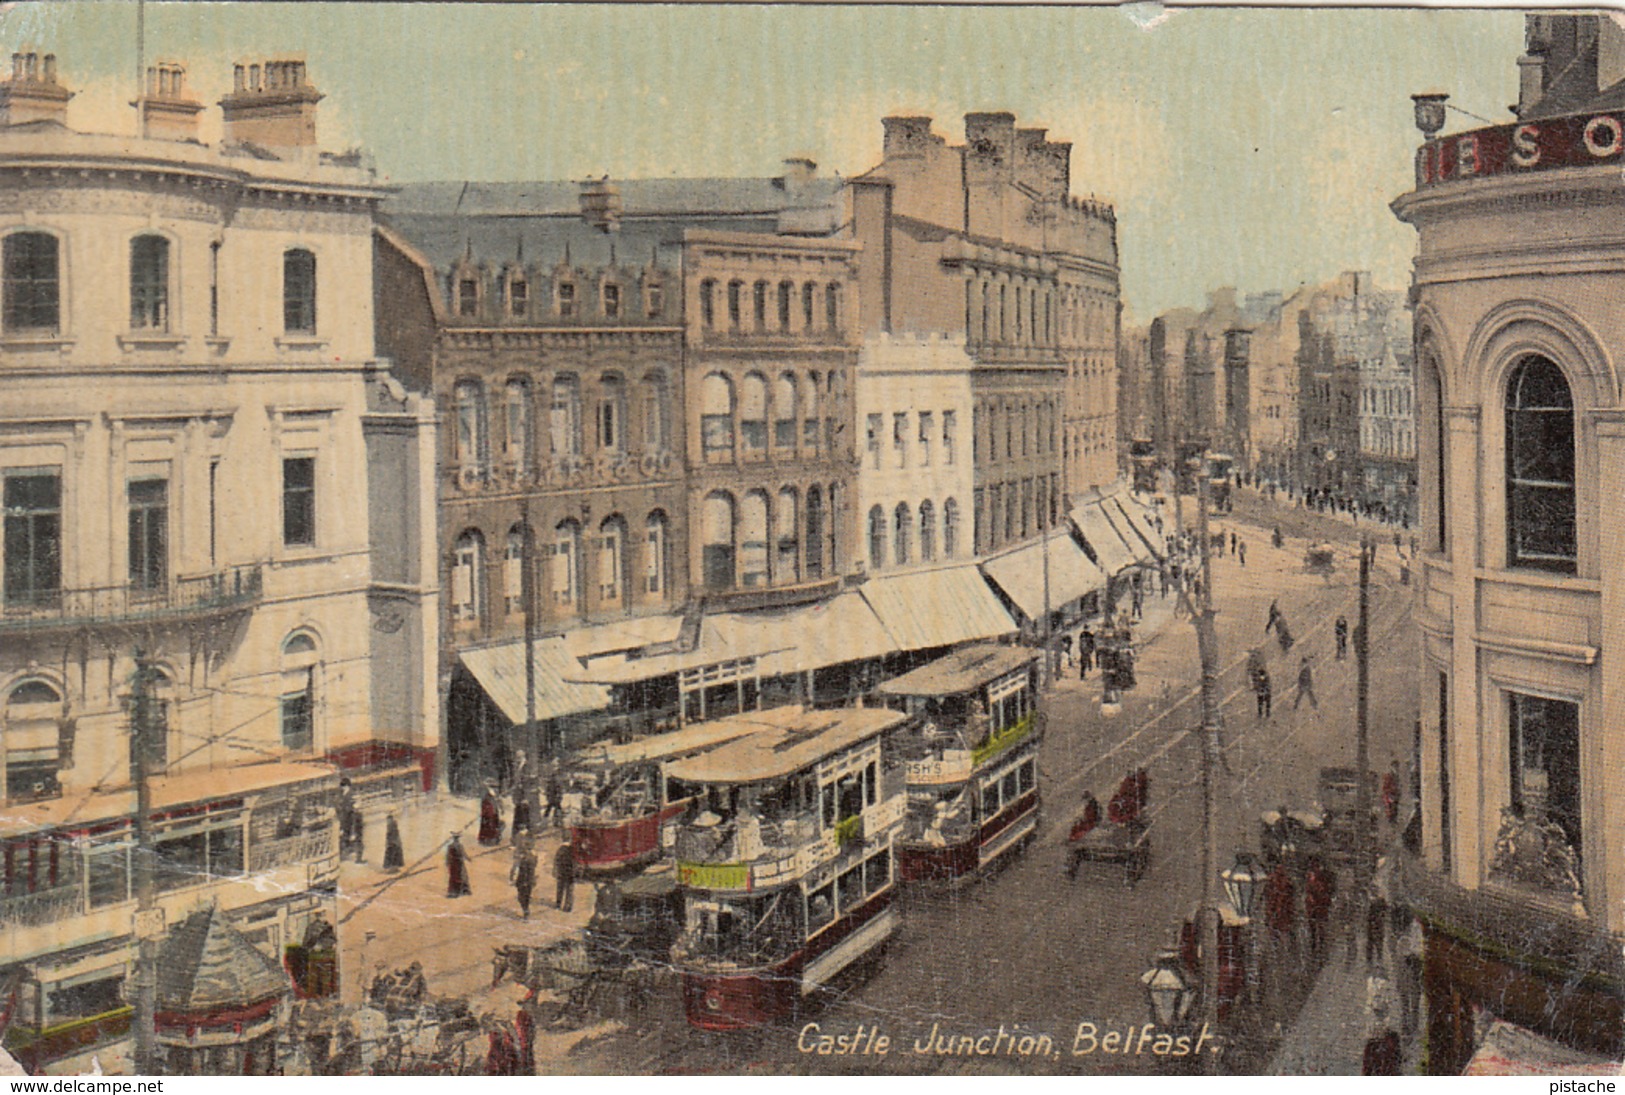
(1243, 882)
(1169, 994)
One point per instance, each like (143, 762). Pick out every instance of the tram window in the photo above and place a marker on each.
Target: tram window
(851, 795)
(1029, 775)
(877, 872)
(692, 709)
(851, 888)
(871, 784)
(990, 800)
(749, 691)
(829, 805)
(1009, 783)
(821, 908)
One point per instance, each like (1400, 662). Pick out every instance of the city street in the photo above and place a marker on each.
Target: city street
(1027, 949)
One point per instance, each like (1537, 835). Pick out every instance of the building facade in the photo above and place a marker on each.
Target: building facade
(190, 403)
(1521, 605)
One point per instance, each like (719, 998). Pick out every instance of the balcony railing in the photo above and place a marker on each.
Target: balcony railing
(194, 596)
(266, 855)
(41, 907)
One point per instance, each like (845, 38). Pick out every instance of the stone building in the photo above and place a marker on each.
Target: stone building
(1521, 601)
(191, 402)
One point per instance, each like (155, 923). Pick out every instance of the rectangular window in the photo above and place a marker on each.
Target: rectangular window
(32, 290)
(612, 302)
(655, 559)
(1545, 741)
(567, 300)
(149, 534)
(149, 283)
(899, 437)
(609, 434)
(468, 298)
(33, 538)
(609, 566)
(873, 438)
(950, 426)
(297, 719)
(214, 288)
(518, 298)
(299, 501)
(299, 292)
(654, 299)
(928, 430)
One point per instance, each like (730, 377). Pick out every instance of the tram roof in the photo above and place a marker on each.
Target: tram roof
(964, 669)
(784, 740)
(690, 739)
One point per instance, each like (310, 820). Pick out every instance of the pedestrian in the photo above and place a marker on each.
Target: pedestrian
(321, 950)
(523, 873)
(523, 779)
(1280, 917)
(564, 874)
(347, 814)
(1086, 653)
(1276, 538)
(1241, 553)
(456, 868)
(1390, 793)
(358, 835)
(1066, 649)
(1306, 686)
(490, 834)
(1340, 632)
(1082, 826)
(1274, 618)
(502, 1056)
(1410, 943)
(1382, 1053)
(1263, 690)
(1376, 915)
(1233, 542)
(555, 797)
(394, 853)
(524, 1025)
(1319, 889)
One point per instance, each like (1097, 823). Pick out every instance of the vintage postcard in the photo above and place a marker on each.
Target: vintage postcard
(811, 540)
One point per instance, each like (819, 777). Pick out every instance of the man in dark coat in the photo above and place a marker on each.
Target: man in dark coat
(1263, 692)
(1306, 686)
(1086, 652)
(564, 874)
(394, 853)
(523, 873)
(457, 868)
(1319, 888)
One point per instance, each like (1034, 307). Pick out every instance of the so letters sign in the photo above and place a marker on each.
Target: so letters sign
(1576, 141)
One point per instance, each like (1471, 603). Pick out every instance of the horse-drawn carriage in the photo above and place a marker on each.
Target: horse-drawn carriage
(1122, 838)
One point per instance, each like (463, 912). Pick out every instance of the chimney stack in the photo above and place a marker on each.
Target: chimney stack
(32, 94)
(271, 105)
(601, 204)
(168, 111)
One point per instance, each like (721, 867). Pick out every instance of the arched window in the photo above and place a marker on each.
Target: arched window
(611, 416)
(1430, 454)
(835, 495)
(950, 529)
(717, 418)
(33, 729)
(786, 295)
(1540, 467)
(566, 583)
(469, 398)
(809, 414)
(758, 300)
(467, 289)
(654, 554)
(655, 432)
(877, 538)
(832, 306)
(736, 303)
(753, 413)
(928, 532)
(784, 412)
(516, 404)
(467, 577)
(565, 423)
(612, 561)
(517, 293)
(32, 283)
(808, 292)
(753, 526)
(787, 541)
(813, 529)
(902, 533)
(149, 283)
(717, 549)
(513, 572)
(298, 699)
(985, 309)
(298, 291)
(708, 303)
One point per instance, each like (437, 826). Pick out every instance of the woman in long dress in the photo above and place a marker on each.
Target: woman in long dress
(394, 853)
(456, 868)
(490, 820)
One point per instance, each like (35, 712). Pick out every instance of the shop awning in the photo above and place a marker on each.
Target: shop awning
(842, 629)
(1111, 552)
(1511, 1050)
(930, 608)
(1136, 526)
(500, 671)
(1020, 573)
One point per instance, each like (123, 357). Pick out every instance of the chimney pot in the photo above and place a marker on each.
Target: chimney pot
(50, 68)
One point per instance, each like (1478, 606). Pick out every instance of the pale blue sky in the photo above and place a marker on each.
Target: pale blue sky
(1250, 147)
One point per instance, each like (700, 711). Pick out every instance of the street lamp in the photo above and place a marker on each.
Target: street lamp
(1242, 883)
(1167, 990)
(1428, 112)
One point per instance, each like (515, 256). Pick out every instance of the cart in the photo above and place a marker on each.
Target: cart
(1319, 559)
(1127, 845)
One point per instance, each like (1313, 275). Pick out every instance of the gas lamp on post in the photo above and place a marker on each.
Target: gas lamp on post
(1168, 991)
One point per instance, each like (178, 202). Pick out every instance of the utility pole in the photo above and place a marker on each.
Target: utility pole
(1362, 712)
(1207, 645)
(148, 922)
